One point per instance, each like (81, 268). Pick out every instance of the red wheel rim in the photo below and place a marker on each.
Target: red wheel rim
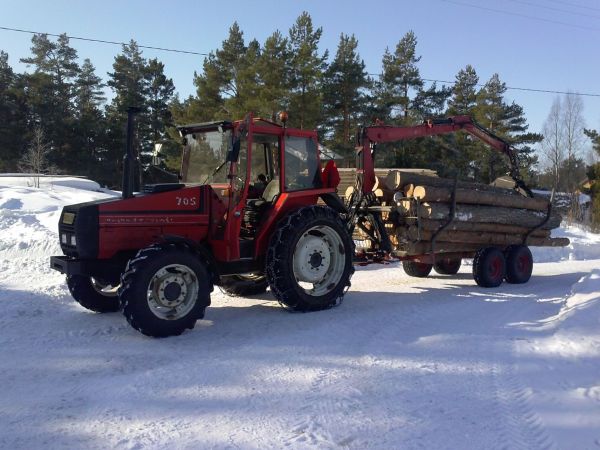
(496, 267)
(524, 263)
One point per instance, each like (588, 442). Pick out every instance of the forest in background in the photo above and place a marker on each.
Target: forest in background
(56, 117)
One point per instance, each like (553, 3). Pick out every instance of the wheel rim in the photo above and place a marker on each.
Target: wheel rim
(524, 263)
(172, 292)
(319, 260)
(495, 269)
(105, 289)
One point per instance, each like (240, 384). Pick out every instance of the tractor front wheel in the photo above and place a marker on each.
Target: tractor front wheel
(164, 290)
(93, 294)
(309, 260)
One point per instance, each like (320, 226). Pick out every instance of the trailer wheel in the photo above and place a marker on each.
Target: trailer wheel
(447, 265)
(489, 267)
(244, 285)
(416, 269)
(164, 290)
(519, 264)
(93, 294)
(309, 260)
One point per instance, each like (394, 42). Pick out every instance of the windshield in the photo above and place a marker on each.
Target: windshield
(205, 154)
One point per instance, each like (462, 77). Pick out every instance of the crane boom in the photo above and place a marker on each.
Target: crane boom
(372, 135)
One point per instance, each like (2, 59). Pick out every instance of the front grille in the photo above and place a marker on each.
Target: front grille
(84, 230)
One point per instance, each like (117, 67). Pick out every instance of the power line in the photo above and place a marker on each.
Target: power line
(102, 41)
(550, 8)
(527, 16)
(560, 2)
(543, 91)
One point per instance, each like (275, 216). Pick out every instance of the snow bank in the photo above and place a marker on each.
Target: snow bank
(584, 246)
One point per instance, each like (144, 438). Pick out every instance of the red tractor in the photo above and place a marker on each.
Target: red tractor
(250, 223)
(244, 217)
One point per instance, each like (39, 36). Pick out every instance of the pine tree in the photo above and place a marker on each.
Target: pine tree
(129, 84)
(51, 95)
(273, 69)
(90, 125)
(13, 116)
(400, 78)
(507, 121)
(307, 69)
(227, 85)
(464, 92)
(160, 94)
(343, 94)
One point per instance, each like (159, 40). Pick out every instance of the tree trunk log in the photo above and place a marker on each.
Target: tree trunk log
(434, 225)
(475, 237)
(424, 247)
(397, 179)
(474, 197)
(486, 214)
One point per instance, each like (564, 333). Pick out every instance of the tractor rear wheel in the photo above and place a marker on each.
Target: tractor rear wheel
(489, 267)
(93, 294)
(416, 269)
(447, 266)
(164, 290)
(519, 264)
(244, 285)
(309, 260)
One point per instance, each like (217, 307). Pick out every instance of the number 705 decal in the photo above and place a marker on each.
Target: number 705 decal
(186, 201)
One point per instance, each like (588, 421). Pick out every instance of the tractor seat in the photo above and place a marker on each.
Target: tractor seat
(271, 191)
(256, 207)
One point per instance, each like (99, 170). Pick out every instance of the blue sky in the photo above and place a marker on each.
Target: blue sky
(540, 44)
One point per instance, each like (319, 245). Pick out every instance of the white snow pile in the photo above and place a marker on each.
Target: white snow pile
(404, 362)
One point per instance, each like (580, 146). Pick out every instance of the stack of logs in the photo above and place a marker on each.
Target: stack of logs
(483, 216)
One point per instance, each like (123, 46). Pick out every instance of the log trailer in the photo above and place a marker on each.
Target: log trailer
(156, 255)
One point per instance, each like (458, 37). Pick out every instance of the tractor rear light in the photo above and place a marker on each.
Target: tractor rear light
(63, 238)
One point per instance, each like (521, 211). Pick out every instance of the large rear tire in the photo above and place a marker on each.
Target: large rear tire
(164, 290)
(93, 294)
(489, 267)
(447, 266)
(519, 264)
(416, 269)
(244, 285)
(309, 260)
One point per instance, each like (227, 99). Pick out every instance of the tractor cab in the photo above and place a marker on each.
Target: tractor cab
(255, 169)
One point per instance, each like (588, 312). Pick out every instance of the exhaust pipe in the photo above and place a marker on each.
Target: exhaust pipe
(130, 160)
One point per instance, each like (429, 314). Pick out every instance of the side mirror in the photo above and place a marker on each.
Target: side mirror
(234, 153)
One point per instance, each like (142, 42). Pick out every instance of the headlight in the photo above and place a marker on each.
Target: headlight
(73, 241)
(68, 218)
(63, 238)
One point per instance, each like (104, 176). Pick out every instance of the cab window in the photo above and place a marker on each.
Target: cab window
(301, 164)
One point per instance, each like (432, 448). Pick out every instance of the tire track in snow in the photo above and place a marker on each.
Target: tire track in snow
(333, 392)
(523, 429)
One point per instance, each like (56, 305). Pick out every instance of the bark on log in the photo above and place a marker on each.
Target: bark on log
(424, 247)
(474, 197)
(434, 225)
(473, 237)
(486, 214)
(398, 179)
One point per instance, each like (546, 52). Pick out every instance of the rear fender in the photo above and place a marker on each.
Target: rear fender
(286, 203)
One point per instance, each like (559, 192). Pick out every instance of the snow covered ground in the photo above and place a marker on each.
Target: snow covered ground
(435, 363)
